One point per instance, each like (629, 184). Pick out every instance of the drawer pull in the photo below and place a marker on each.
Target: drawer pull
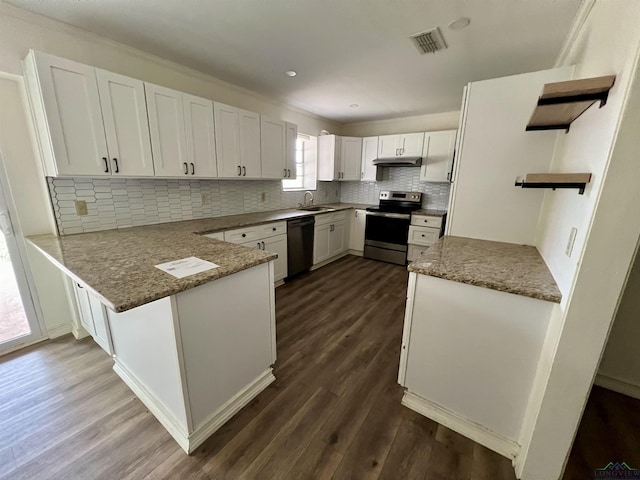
(274, 229)
(244, 235)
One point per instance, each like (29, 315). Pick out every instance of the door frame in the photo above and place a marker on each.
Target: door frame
(18, 255)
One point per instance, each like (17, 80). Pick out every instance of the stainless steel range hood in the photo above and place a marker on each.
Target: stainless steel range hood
(398, 162)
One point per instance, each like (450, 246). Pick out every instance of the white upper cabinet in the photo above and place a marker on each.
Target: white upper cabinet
(339, 158)
(273, 142)
(368, 171)
(200, 137)
(166, 125)
(292, 138)
(403, 145)
(64, 96)
(237, 142)
(124, 112)
(437, 156)
(351, 158)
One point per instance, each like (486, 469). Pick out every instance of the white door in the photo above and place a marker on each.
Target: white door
(72, 107)
(124, 112)
(321, 237)
(437, 156)
(356, 231)
(227, 133)
(273, 148)
(368, 170)
(166, 125)
(411, 144)
(200, 137)
(292, 138)
(389, 146)
(338, 237)
(278, 245)
(250, 144)
(351, 153)
(18, 320)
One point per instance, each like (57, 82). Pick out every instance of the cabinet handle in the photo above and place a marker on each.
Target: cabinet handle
(244, 235)
(186, 168)
(244, 171)
(259, 248)
(106, 164)
(423, 234)
(117, 169)
(239, 170)
(289, 173)
(193, 169)
(263, 246)
(274, 229)
(397, 151)
(285, 173)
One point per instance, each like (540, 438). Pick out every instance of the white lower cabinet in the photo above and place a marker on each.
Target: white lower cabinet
(424, 231)
(356, 230)
(321, 236)
(93, 318)
(277, 245)
(330, 236)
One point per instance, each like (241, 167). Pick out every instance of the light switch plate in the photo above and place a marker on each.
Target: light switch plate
(81, 208)
(206, 199)
(572, 239)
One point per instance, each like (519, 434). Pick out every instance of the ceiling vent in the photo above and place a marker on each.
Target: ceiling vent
(430, 41)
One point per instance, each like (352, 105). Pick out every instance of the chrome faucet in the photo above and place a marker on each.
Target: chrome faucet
(305, 198)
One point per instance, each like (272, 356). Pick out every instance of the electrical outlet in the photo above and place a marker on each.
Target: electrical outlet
(572, 239)
(263, 197)
(81, 208)
(206, 199)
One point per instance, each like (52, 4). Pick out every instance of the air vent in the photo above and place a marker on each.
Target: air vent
(430, 41)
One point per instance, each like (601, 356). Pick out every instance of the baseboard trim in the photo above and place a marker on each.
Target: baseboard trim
(168, 421)
(619, 386)
(357, 253)
(59, 330)
(328, 261)
(229, 409)
(278, 283)
(79, 333)
(476, 432)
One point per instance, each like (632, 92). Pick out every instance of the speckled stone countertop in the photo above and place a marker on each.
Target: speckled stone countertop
(431, 213)
(119, 265)
(506, 267)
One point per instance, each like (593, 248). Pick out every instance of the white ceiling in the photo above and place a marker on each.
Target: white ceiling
(345, 51)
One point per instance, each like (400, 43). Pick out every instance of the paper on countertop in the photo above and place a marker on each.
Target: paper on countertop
(186, 266)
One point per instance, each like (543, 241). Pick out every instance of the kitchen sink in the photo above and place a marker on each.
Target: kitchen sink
(316, 209)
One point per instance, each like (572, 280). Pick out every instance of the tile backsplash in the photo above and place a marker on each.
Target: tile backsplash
(118, 202)
(435, 195)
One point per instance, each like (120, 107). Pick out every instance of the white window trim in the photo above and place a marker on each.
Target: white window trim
(309, 166)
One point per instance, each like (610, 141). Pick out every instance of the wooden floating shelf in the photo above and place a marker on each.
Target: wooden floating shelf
(555, 180)
(562, 102)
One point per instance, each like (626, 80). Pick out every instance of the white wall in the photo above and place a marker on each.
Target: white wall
(606, 142)
(27, 188)
(415, 123)
(21, 30)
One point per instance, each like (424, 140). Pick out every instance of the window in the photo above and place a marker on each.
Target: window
(306, 165)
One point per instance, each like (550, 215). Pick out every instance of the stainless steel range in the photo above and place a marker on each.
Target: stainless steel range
(387, 230)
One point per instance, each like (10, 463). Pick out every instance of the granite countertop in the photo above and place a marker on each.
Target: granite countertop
(119, 265)
(506, 267)
(431, 213)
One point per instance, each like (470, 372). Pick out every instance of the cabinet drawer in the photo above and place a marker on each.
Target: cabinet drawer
(273, 229)
(243, 235)
(415, 251)
(216, 235)
(426, 221)
(425, 236)
(334, 217)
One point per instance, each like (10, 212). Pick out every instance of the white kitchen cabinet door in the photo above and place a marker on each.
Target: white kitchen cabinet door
(68, 115)
(329, 149)
(84, 309)
(166, 125)
(368, 171)
(227, 132)
(351, 157)
(411, 144)
(338, 238)
(200, 137)
(250, 144)
(321, 240)
(273, 148)
(437, 156)
(292, 138)
(389, 146)
(102, 334)
(124, 112)
(356, 230)
(278, 245)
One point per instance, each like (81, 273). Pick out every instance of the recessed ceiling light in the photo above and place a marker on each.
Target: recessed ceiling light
(460, 23)
(354, 105)
(291, 73)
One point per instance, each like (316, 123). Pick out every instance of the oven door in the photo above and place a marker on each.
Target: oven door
(386, 237)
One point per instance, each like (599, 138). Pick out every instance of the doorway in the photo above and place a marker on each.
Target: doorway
(18, 320)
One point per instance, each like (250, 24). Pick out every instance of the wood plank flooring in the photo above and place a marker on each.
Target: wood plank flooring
(333, 412)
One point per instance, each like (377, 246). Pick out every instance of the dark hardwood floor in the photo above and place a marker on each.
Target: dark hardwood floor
(333, 412)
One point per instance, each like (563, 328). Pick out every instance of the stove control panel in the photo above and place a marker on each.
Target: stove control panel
(401, 196)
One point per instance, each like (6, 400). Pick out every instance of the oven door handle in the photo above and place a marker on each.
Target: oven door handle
(402, 216)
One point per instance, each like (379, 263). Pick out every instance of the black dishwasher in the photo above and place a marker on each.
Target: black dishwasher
(299, 245)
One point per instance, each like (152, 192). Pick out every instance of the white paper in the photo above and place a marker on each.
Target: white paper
(186, 266)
